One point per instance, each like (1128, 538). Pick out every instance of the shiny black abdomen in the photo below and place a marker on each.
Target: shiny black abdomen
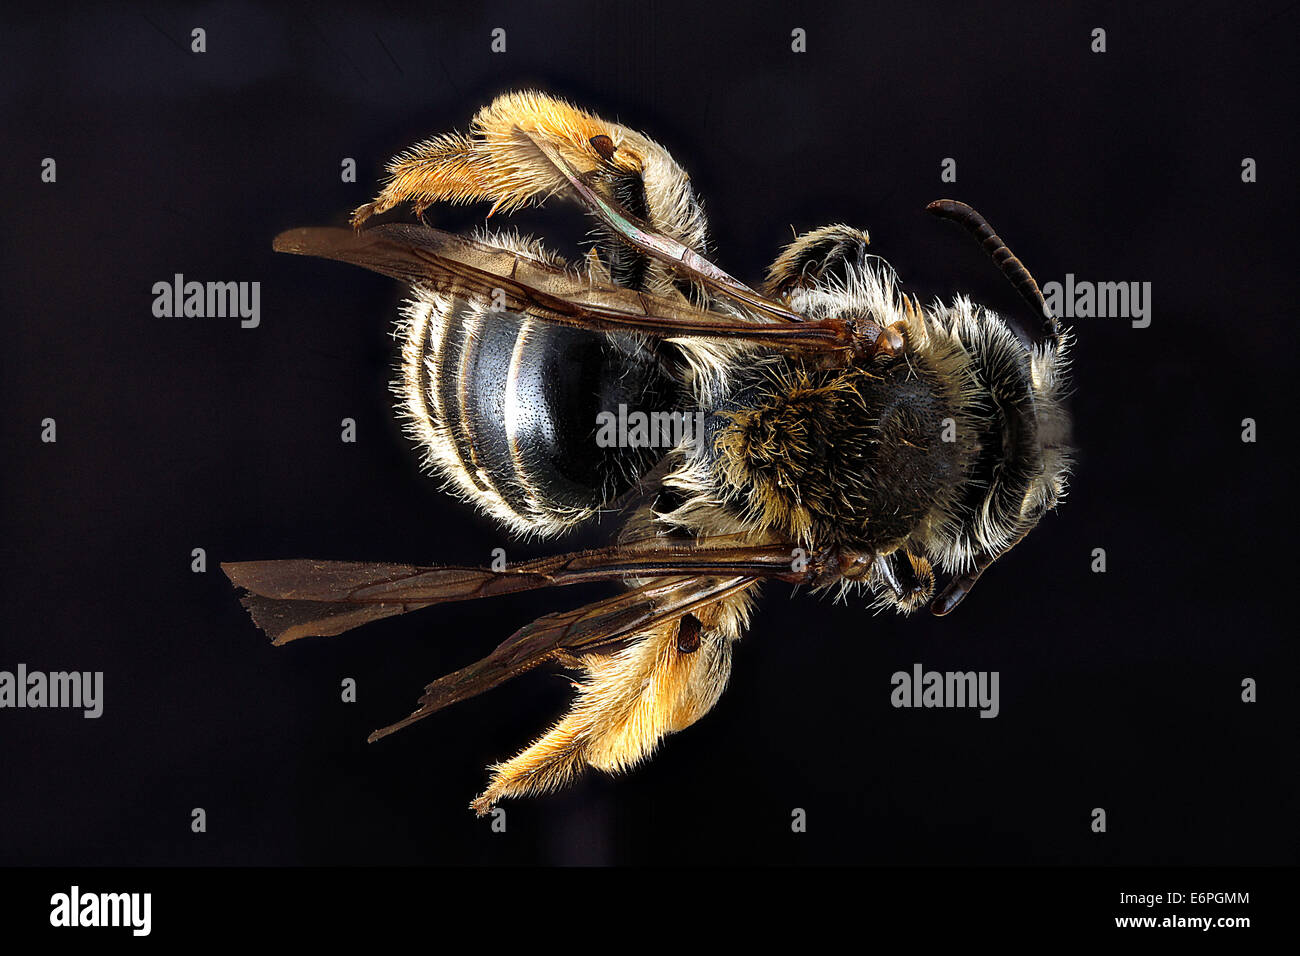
(521, 398)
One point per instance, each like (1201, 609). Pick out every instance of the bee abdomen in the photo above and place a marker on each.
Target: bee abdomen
(506, 408)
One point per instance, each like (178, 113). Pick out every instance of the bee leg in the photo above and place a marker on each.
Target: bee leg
(625, 705)
(628, 702)
(510, 158)
(498, 162)
(820, 257)
(909, 578)
(434, 170)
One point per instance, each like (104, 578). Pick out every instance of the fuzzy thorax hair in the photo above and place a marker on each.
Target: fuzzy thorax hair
(949, 448)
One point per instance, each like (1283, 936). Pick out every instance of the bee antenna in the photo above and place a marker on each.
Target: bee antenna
(957, 589)
(1011, 267)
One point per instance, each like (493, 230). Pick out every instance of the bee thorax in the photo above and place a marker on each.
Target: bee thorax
(860, 455)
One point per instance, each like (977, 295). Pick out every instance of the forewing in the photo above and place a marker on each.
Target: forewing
(290, 599)
(507, 281)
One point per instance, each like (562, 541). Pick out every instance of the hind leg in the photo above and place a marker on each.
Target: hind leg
(499, 161)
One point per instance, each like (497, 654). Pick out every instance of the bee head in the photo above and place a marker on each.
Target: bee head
(1023, 459)
(1021, 466)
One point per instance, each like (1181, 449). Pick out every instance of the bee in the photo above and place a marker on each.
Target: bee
(851, 439)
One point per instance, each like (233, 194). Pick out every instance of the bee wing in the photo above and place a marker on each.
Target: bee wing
(291, 599)
(572, 633)
(455, 265)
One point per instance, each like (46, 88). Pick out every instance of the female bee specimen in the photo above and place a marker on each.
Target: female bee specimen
(852, 436)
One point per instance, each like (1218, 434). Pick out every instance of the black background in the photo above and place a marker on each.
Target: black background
(1118, 690)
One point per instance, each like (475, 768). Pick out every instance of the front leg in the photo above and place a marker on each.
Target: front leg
(822, 257)
(904, 580)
